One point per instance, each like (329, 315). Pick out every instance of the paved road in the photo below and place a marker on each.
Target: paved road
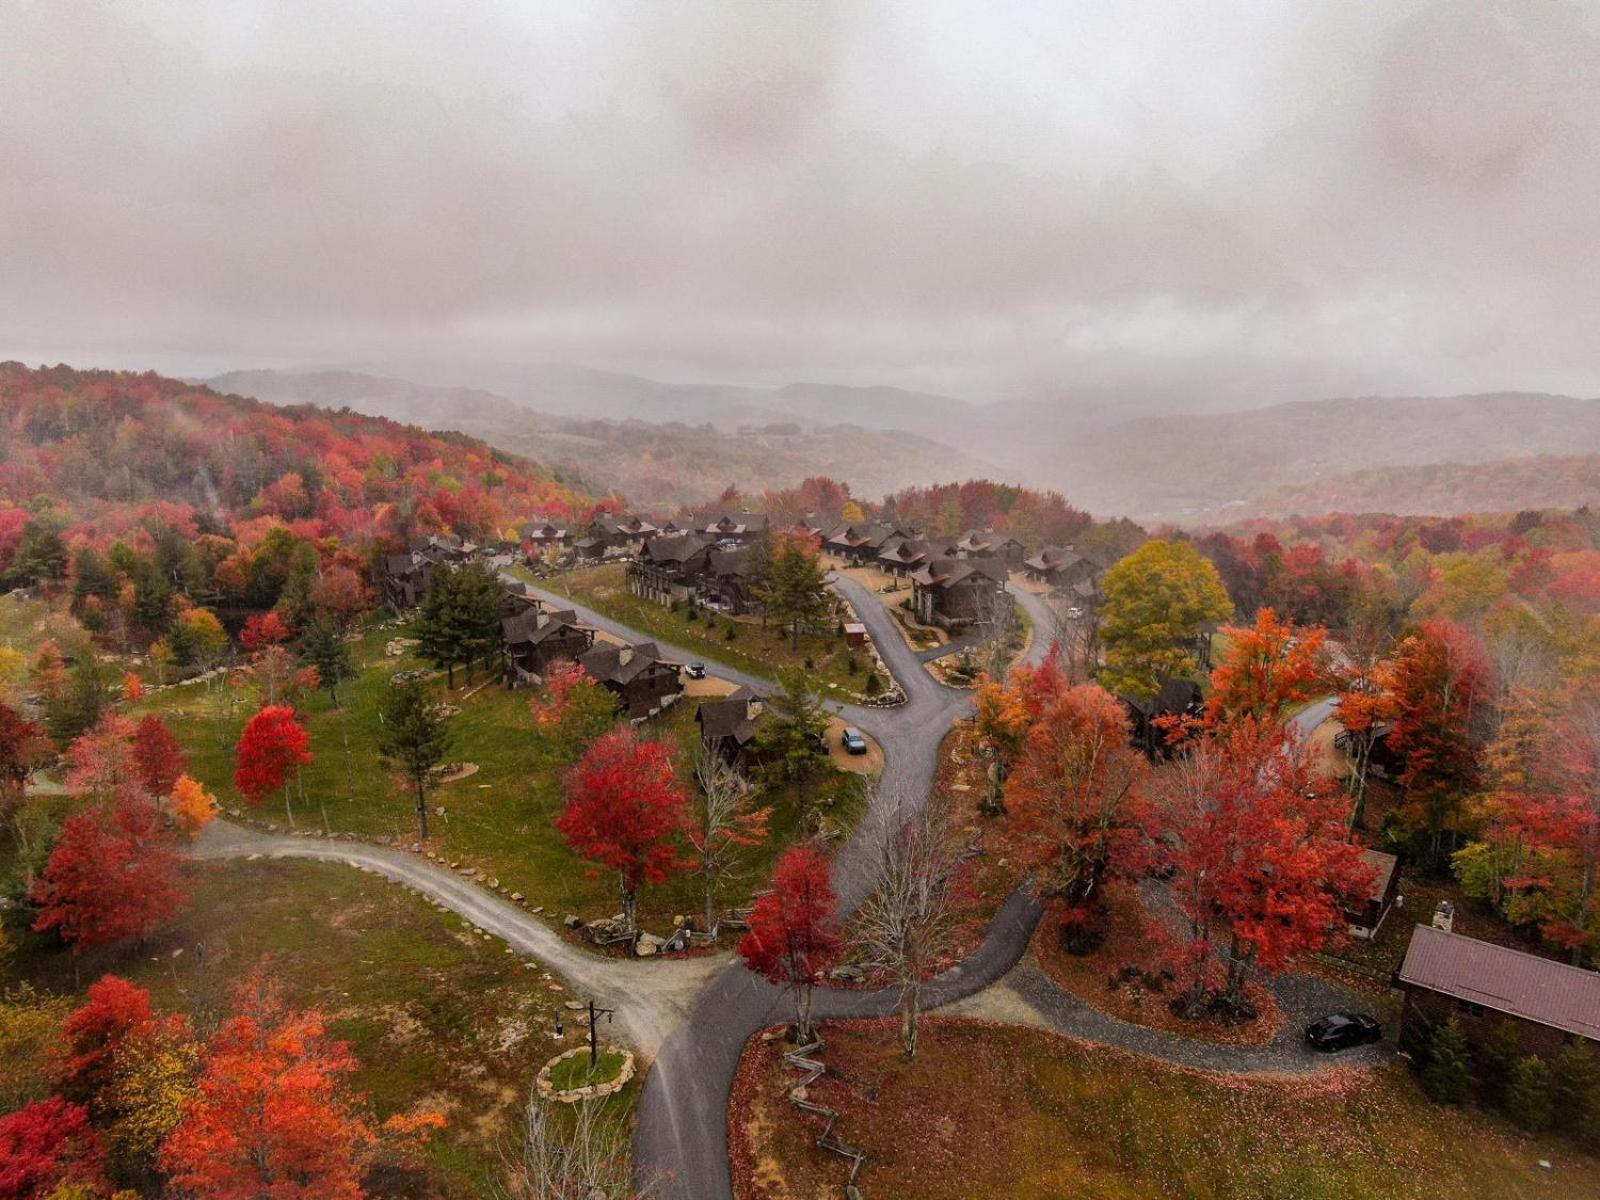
(682, 1127)
(696, 1015)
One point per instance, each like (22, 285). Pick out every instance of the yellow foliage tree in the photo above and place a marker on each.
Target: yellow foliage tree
(192, 806)
(153, 1081)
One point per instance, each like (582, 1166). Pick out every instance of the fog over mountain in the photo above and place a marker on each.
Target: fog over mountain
(1119, 206)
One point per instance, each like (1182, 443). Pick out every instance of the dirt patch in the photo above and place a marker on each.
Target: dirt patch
(870, 763)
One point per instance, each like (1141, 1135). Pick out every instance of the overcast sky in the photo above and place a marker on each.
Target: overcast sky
(1215, 204)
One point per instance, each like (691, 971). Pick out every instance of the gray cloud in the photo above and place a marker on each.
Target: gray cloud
(1205, 204)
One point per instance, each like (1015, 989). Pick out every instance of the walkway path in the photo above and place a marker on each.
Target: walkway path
(650, 997)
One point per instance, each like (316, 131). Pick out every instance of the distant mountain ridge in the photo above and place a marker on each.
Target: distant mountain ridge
(1201, 468)
(662, 462)
(1313, 456)
(1438, 489)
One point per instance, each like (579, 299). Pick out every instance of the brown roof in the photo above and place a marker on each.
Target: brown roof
(533, 626)
(903, 551)
(1383, 866)
(675, 547)
(621, 665)
(1509, 981)
(728, 564)
(731, 717)
(946, 572)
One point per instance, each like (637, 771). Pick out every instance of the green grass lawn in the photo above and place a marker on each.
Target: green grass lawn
(576, 1072)
(436, 1015)
(988, 1112)
(759, 651)
(499, 818)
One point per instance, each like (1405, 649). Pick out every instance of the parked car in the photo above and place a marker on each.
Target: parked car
(1340, 1031)
(695, 670)
(852, 741)
(1074, 614)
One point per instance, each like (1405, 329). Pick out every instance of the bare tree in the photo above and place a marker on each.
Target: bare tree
(586, 1161)
(905, 927)
(725, 825)
(999, 626)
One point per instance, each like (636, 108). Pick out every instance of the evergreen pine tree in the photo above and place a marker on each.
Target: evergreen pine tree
(1496, 1060)
(438, 638)
(1445, 1076)
(1528, 1099)
(479, 600)
(788, 745)
(413, 740)
(324, 648)
(1573, 1085)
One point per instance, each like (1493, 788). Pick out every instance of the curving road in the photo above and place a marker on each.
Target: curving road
(682, 1131)
(695, 1015)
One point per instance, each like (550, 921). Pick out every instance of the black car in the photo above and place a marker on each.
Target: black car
(1340, 1031)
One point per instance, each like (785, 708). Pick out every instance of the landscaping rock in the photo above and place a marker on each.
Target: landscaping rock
(572, 922)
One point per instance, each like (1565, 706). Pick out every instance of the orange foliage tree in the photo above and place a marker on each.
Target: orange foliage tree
(273, 1115)
(1078, 796)
(1267, 668)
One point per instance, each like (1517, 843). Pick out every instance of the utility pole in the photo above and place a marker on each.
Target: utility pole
(594, 1040)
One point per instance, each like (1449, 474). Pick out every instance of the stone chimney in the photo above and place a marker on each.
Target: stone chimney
(625, 656)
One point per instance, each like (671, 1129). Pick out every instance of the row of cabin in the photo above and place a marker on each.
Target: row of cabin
(902, 549)
(712, 570)
(406, 576)
(955, 581)
(608, 535)
(537, 638)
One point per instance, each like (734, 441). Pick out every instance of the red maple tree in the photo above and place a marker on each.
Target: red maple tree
(272, 749)
(24, 746)
(263, 630)
(158, 759)
(46, 1145)
(627, 810)
(793, 935)
(1078, 794)
(100, 761)
(1437, 687)
(272, 1116)
(112, 876)
(1262, 865)
(92, 1035)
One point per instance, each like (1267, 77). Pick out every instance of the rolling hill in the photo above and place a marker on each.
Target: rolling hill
(658, 463)
(1271, 461)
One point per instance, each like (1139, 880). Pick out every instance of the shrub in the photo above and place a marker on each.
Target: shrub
(1445, 1076)
(732, 632)
(852, 665)
(810, 664)
(874, 684)
(1528, 1101)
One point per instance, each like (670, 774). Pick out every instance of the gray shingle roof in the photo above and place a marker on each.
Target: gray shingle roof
(620, 665)
(1509, 981)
